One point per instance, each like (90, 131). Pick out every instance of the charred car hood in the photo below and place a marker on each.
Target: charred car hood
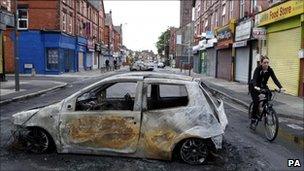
(21, 118)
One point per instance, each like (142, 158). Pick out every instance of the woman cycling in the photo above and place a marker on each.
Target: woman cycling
(259, 81)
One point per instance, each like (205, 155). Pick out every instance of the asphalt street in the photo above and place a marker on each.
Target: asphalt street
(243, 149)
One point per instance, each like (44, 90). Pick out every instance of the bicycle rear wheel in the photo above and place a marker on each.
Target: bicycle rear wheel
(271, 123)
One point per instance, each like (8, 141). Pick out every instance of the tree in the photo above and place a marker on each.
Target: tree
(163, 41)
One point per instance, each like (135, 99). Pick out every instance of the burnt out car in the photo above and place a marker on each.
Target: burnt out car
(142, 114)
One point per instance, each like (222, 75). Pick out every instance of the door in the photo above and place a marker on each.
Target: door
(224, 64)
(80, 60)
(211, 62)
(105, 119)
(242, 64)
(163, 102)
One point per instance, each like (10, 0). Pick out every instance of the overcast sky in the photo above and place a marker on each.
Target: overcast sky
(143, 21)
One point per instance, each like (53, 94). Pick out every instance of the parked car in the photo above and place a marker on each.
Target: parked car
(140, 66)
(160, 65)
(139, 114)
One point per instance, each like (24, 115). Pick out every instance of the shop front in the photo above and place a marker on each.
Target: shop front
(196, 58)
(210, 54)
(81, 52)
(224, 63)
(90, 57)
(284, 25)
(243, 51)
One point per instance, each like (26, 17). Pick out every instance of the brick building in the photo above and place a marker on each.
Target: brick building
(64, 34)
(215, 24)
(6, 22)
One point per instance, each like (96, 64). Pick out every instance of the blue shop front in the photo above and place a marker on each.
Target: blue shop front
(47, 52)
(81, 53)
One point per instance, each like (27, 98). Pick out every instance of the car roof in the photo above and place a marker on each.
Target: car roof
(152, 74)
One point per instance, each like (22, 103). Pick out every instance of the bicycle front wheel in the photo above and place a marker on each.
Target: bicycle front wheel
(271, 123)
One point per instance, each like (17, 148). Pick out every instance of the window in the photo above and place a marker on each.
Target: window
(231, 8)
(77, 6)
(216, 19)
(161, 96)
(223, 15)
(64, 21)
(253, 5)
(113, 96)
(70, 24)
(52, 59)
(242, 8)
(22, 19)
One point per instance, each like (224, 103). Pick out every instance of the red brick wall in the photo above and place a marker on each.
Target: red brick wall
(43, 14)
(9, 52)
(116, 41)
(106, 35)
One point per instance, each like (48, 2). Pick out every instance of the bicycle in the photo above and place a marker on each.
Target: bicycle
(271, 121)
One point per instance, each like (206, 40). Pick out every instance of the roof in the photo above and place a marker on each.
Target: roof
(108, 20)
(147, 74)
(118, 29)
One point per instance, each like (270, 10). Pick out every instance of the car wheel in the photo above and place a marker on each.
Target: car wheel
(38, 141)
(194, 151)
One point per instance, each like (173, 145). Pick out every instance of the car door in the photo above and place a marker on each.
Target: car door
(163, 105)
(107, 129)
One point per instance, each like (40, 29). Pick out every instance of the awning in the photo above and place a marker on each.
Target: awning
(196, 48)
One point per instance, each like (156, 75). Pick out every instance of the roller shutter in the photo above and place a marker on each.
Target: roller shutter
(283, 50)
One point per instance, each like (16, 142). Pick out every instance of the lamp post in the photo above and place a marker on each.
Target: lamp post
(17, 86)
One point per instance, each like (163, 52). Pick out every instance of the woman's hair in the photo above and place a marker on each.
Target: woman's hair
(263, 57)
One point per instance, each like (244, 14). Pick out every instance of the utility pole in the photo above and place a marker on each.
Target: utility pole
(190, 48)
(17, 86)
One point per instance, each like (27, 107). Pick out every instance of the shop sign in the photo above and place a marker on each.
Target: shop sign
(226, 33)
(243, 31)
(2, 26)
(259, 33)
(280, 12)
(28, 66)
(240, 44)
(7, 18)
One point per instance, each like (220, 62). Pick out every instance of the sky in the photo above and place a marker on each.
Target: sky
(143, 21)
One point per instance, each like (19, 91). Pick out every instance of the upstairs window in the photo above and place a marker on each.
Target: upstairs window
(22, 19)
(64, 21)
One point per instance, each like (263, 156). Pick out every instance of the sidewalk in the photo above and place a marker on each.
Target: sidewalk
(34, 86)
(30, 88)
(79, 74)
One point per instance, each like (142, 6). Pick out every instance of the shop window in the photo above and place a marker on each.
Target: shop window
(52, 59)
(22, 19)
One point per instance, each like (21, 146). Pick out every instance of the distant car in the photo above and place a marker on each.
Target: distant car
(140, 66)
(139, 114)
(160, 65)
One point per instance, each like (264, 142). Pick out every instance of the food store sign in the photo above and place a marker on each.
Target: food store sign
(280, 12)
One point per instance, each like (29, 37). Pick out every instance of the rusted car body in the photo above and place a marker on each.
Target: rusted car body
(137, 131)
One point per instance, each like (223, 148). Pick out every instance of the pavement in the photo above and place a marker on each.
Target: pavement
(31, 86)
(289, 108)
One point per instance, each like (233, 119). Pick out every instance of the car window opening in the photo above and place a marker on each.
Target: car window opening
(114, 96)
(162, 96)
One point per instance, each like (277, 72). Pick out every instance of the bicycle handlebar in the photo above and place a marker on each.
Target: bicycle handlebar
(263, 90)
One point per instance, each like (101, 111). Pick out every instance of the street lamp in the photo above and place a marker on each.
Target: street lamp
(17, 86)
